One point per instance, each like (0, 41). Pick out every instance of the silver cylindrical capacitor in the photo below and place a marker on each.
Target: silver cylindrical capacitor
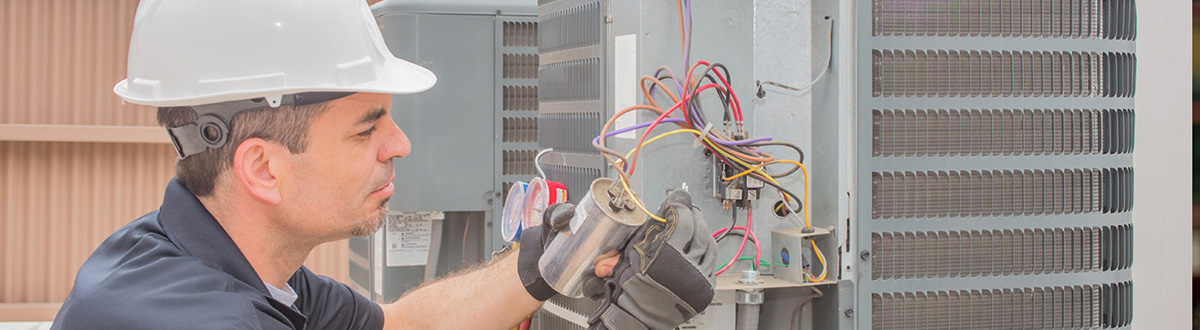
(598, 228)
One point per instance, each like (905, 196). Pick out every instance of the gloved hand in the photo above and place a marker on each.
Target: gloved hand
(665, 273)
(534, 242)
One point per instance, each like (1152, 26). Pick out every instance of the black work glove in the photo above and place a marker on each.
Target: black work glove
(534, 242)
(665, 274)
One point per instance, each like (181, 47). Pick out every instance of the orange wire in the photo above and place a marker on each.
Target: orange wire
(650, 97)
(682, 40)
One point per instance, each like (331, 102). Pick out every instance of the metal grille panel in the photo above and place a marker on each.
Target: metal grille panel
(517, 93)
(574, 81)
(1097, 306)
(520, 98)
(577, 180)
(1058, 19)
(962, 73)
(994, 153)
(928, 194)
(569, 131)
(575, 27)
(520, 129)
(942, 254)
(520, 66)
(940, 133)
(518, 162)
(520, 34)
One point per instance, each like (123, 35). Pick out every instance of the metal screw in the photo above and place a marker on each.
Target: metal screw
(849, 312)
(865, 255)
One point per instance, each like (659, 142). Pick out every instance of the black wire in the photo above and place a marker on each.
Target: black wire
(799, 202)
(782, 143)
(739, 168)
(733, 214)
(663, 79)
(732, 233)
(694, 108)
(726, 100)
(785, 144)
(722, 95)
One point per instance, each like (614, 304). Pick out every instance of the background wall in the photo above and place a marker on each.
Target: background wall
(75, 163)
(1161, 269)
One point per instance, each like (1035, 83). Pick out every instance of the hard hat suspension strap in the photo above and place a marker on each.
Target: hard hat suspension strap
(211, 129)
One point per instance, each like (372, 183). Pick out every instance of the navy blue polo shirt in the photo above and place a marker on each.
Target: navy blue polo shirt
(176, 268)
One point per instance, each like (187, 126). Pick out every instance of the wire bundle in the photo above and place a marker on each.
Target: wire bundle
(729, 145)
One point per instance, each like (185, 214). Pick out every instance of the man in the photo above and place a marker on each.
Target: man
(280, 113)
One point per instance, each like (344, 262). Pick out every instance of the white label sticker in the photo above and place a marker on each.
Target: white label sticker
(625, 74)
(719, 315)
(408, 238)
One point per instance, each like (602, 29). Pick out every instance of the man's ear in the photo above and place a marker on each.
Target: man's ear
(253, 170)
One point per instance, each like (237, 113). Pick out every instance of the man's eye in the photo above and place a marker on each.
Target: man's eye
(368, 132)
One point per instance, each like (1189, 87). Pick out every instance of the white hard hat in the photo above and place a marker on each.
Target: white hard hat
(196, 52)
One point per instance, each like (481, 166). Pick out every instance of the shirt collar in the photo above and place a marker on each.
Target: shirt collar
(286, 295)
(194, 230)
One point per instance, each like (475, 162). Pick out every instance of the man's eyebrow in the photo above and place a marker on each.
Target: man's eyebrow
(373, 116)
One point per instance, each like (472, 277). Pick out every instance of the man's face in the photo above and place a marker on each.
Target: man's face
(340, 185)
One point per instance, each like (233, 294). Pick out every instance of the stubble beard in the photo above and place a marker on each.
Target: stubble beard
(373, 222)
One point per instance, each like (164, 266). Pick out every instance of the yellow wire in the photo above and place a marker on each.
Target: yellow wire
(807, 223)
(758, 169)
(804, 171)
(752, 169)
(681, 130)
(637, 202)
(824, 269)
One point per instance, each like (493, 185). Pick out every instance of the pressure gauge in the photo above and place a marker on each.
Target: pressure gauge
(540, 194)
(514, 209)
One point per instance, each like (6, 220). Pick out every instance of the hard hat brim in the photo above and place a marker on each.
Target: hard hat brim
(396, 76)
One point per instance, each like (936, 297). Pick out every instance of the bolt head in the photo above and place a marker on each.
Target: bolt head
(865, 255)
(849, 312)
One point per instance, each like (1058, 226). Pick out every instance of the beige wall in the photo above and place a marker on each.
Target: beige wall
(1163, 191)
(75, 163)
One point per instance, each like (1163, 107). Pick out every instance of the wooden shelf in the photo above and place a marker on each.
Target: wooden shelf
(28, 312)
(83, 133)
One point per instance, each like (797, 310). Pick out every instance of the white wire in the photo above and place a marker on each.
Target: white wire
(538, 165)
(824, 69)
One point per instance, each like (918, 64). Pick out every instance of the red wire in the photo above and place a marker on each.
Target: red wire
(745, 238)
(633, 161)
(737, 106)
(757, 247)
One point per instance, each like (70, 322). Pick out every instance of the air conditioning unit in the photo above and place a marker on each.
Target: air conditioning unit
(472, 135)
(972, 160)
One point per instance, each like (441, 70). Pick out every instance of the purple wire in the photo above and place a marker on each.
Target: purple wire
(676, 120)
(678, 87)
(742, 142)
(638, 126)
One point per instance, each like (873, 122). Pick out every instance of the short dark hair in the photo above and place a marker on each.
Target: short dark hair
(287, 125)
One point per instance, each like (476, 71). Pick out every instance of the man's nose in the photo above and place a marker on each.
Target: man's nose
(396, 145)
